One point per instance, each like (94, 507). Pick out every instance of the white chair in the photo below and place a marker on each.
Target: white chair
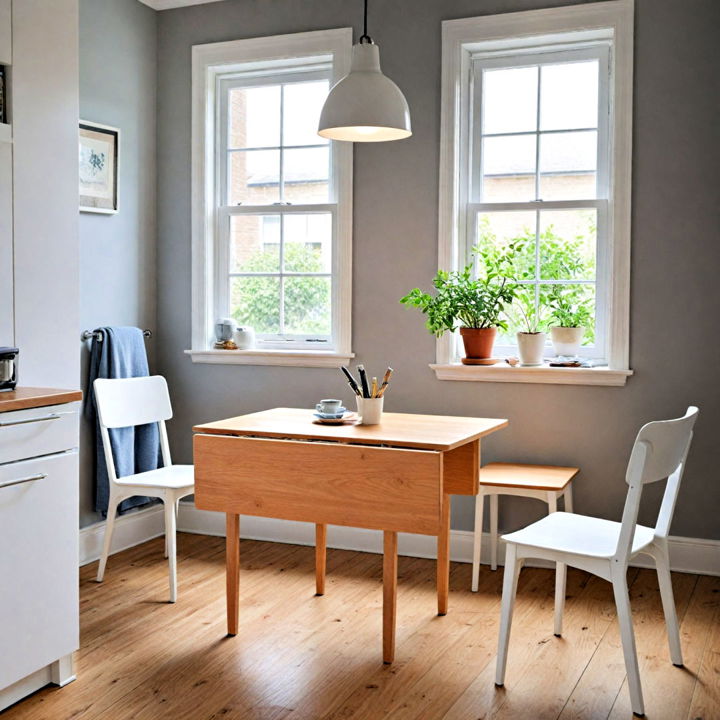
(603, 547)
(547, 483)
(140, 401)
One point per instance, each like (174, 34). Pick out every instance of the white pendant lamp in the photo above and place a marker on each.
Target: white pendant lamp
(365, 106)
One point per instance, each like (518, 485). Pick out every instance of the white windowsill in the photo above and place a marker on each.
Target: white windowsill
(288, 358)
(544, 375)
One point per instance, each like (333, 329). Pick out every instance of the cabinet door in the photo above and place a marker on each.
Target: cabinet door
(38, 564)
(7, 332)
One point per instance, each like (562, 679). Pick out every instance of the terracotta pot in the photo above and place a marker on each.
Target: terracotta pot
(478, 341)
(567, 340)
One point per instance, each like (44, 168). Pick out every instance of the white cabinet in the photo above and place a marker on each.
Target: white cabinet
(39, 627)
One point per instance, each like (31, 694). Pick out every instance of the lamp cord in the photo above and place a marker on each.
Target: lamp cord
(365, 35)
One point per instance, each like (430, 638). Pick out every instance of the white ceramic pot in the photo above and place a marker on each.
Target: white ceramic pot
(567, 340)
(244, 338)
(531, 347)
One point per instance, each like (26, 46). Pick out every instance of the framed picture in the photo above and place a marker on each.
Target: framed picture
(98, 159)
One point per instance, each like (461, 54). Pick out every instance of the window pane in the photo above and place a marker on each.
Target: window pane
(573, 302)
(255, 301)
(497, 230)
(568, 164)
(254, 117)
(255, 243)
(254, 177)
(569, 96)
(508, 168)
(307, 306)
(306, 173)
(301, 112)
(568, 244)
(510, 100)
(308, 242)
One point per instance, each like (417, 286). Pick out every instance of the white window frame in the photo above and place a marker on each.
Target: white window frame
(278, 55)
(571, 27)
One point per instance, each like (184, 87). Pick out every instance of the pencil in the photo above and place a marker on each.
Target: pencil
(351, 380)
(363, 381)
(373, 392)
(385, 382)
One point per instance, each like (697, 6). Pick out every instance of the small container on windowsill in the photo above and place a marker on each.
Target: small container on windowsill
(370, 410)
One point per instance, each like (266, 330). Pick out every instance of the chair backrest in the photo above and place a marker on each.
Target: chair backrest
(126, 402)
(132, 401)
(660, 451)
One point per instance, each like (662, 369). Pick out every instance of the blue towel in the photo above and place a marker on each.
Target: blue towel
(120, 354)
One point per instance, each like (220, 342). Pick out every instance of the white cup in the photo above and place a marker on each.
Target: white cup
(329, 407)
(370, 410)
(244, 338)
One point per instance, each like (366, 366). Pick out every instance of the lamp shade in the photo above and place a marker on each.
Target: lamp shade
(365, 106)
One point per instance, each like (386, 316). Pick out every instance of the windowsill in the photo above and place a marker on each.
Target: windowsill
(545, 374)
(288, 358)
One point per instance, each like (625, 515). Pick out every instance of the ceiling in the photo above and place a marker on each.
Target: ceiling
(168, 4)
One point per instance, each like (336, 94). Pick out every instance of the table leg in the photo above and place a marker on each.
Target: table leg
(389, 594)
(320, 557)
(232, 570)
(443, 557)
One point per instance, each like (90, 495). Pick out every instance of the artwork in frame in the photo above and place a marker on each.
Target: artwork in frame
(99, 148)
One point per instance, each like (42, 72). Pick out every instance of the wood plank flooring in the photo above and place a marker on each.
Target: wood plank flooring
(302, 657)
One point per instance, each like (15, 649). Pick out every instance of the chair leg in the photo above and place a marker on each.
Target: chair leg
(560, 578)
(494, 530)
(170, 535)
(177, 513)
(113, 503)
(568, 498)
(668, 602)
(622, 602)
(510, 581)
(477, 540)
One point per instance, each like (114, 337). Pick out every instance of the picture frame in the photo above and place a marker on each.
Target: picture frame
(99, 163)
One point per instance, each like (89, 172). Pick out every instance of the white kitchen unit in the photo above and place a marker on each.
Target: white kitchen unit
(39, 610)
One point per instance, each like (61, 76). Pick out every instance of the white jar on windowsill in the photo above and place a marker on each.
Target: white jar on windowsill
(244, 337)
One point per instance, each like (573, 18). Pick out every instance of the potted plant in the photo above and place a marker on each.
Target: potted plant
(474, 304)
(531, 340)
(571, 314)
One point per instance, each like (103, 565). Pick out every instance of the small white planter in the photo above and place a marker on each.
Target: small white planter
(567, 340)
(531, 347)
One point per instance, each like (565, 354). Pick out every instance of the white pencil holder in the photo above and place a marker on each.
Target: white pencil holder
(370, 410)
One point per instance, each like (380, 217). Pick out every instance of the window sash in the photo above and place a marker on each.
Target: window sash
(224, 212)
(224, 273)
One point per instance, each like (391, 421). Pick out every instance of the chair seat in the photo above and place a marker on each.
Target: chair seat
(578, 535)
(174, 477)
(532, 477)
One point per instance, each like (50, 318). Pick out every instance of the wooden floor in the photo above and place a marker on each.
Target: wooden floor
(311, 658)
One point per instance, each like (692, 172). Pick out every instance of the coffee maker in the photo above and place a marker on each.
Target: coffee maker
(8, 368)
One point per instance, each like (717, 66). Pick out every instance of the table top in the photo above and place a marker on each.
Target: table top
(23, 398)
(429, 432)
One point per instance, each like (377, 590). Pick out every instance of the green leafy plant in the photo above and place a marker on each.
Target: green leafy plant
(569, 306)
(561, 256)
(472, 300)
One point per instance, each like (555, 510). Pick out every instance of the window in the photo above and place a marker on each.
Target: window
(273, 222)
(539, 179)
(536, 153)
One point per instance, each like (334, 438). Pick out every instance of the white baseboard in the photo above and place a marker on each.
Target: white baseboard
(690, 555)
(130, 530)
(686, 554)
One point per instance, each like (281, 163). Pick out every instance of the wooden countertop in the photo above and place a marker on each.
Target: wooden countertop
(30, 397)
(432, 432)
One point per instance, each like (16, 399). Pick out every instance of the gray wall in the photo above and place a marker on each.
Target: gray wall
(675, 254)
(118, 71)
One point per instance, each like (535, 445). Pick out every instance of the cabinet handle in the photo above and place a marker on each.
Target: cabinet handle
(45, 418)
(32, 478)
